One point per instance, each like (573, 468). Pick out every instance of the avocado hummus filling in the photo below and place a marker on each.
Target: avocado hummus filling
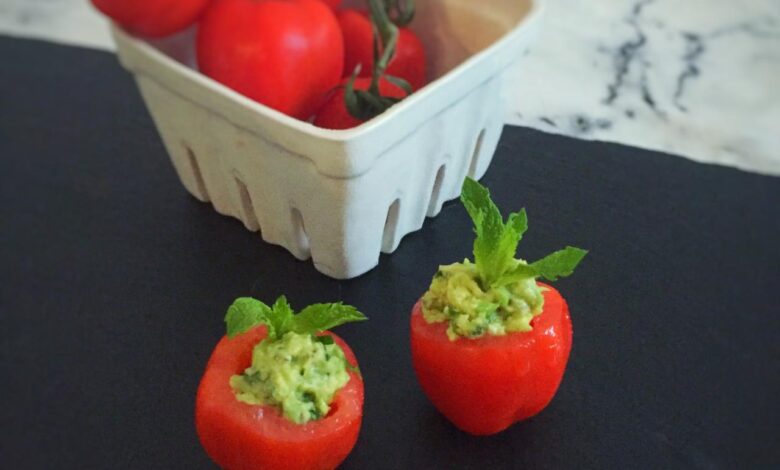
(298, 373)
(457, 296)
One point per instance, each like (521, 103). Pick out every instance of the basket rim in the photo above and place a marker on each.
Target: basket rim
(143, 46)
(349, 152)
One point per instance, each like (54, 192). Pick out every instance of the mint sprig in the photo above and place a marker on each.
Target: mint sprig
(281, 318)
(321, 317)
(245, 313)
(495, 245)
(559, 264)
(496, 242)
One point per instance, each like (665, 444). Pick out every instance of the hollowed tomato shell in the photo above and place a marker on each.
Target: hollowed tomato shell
(486, 384)
(237, 435)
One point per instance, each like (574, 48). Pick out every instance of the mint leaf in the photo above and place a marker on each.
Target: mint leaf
(488, 226)
(518, 224)
(518, 273)
(496, 243)
(559, 264)
(281, 317)
(244, 314)
(505, 252)
(321, 317)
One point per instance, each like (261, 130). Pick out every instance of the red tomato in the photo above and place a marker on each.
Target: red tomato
(333, 3)
(484, 385)
(334, 115)
(407, 63)
(152, 18)
(286, 54)
(237, 435)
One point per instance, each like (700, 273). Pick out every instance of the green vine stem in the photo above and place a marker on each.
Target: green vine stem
(401, 12)
(366, 104)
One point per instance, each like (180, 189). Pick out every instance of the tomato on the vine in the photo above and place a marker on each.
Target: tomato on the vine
(286, 54)
(152, 18)
(408, 62)
(334, 114)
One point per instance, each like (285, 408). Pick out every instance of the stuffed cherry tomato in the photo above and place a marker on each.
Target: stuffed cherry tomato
(489, 343)
(279, 392)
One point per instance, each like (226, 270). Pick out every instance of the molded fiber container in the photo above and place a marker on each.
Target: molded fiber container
(340, 197)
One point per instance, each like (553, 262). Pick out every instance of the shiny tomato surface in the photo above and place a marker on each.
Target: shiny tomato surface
(486, 384)
(286, 54)
(152, 18)
(237, 435)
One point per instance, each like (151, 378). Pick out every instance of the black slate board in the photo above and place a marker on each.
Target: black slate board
(113, 284)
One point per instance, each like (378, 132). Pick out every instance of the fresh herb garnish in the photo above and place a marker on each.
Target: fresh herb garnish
(247, 312)
(496, 243)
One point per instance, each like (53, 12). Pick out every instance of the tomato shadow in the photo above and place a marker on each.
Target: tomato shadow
(437, 443)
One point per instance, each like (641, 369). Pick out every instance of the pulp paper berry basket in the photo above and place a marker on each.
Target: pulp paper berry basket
(340, 197)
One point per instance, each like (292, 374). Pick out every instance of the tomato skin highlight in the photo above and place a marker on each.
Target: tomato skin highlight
(334, 115)
(407, 63)
(152, 18)
(484, 385)
(237, 435)
(285, 54)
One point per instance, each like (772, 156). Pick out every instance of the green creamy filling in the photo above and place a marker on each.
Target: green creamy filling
(298, 373)
(457, 296)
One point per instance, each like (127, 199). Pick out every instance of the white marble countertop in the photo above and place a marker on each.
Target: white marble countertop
(699, 78)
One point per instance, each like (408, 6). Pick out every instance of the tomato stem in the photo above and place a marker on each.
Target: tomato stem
(364, 105)
(388, 33)
(404, 11)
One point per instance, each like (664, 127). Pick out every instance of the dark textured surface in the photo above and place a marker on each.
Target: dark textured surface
(113, 284)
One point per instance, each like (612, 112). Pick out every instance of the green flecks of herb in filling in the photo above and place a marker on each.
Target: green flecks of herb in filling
(299, 374)
(497, 293)
(472, 311)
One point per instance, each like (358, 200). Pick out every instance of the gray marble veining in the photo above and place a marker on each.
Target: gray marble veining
(699, 78)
